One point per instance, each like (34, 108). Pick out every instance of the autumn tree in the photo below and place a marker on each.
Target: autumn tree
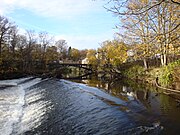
(92, 58)
(51, 54)
(75, 55)
(113, 53)
(153, 24)
(31, 52)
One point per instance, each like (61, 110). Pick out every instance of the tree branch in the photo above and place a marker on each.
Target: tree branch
(175, 2)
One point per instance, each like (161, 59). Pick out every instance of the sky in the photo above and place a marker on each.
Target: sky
(84, 24)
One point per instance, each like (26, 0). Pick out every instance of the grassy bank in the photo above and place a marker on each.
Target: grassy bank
(168, 76)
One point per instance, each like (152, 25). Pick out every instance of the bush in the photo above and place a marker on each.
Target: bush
(134, 72)
(168, 73)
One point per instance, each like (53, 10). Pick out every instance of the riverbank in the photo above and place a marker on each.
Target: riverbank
(12, 75)
(168, 76)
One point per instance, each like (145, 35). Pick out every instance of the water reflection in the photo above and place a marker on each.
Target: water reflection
(129, 91)
(76, 73)
(155, 104)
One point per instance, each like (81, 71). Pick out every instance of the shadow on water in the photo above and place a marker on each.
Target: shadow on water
(86, 76)
(155, 105)
(74, 73)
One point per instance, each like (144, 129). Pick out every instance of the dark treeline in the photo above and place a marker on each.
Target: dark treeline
(31, 52)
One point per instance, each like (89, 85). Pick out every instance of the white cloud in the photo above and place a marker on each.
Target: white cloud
(5, 7)
(63, 9)
(60, 9)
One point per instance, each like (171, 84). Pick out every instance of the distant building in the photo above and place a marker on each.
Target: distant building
(130, 53)
(85, 61)
(60, 61)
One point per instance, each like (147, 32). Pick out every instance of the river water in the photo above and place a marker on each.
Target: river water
(59, 107)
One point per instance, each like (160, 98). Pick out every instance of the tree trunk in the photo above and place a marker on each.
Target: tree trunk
(165, 59)
(162, 60)
(0, 45)
(0, 50)
(145, 63)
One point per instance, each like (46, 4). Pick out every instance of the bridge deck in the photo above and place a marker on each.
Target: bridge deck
(79, 65)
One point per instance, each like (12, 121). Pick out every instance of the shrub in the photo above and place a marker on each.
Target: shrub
(168, 73)
(134, 72)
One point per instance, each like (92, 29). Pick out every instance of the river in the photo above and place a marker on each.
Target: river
(60, 107)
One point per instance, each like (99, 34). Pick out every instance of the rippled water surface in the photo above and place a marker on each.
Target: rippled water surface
(61, 107)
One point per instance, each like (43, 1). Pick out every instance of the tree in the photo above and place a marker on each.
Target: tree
(124, 7)
(13, 40)
(83, 54)
(5, 30)
(75, 55)
(154, 24)
(62, 48)
(21, 45)
(51, 54)
(44, 41)
(30, 52)
(113, 53)
(69, 52)
(92, 59)
(31, 41)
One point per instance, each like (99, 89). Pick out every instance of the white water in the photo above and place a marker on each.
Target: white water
(24, 108)
(34, 112)
(13, 82)
(12, 100)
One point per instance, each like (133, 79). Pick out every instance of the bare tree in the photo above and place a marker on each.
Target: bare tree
(31, 40)
(44, 40)
(62, 48)
(13, 39)
(5, 30)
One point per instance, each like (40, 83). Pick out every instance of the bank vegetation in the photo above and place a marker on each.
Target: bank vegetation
(146, 46)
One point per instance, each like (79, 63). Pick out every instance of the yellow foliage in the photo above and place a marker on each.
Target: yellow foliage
(115, 52)
(91, 55)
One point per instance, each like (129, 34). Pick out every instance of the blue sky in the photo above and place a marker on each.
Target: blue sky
(82, 23)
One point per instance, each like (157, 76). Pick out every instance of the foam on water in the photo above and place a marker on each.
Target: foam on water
(13, 82)
(34, 111)
(12, 100)
(155, 129)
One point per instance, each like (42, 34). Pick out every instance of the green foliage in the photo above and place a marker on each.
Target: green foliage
(134, 72)
(168, 73)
